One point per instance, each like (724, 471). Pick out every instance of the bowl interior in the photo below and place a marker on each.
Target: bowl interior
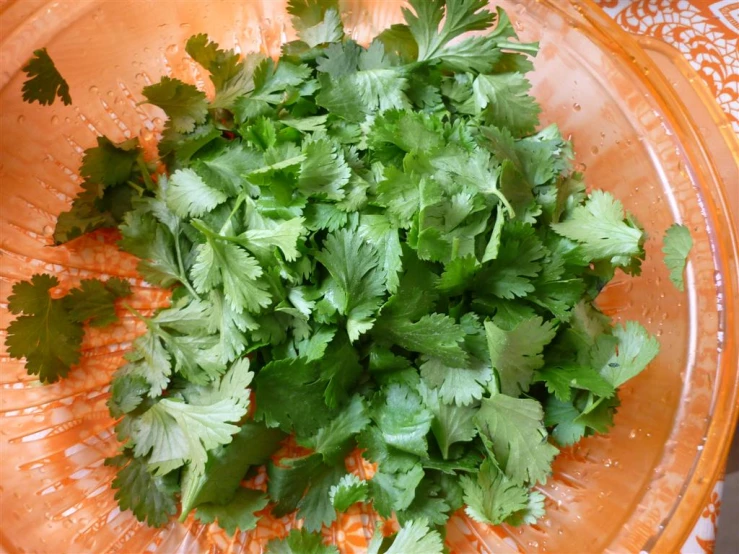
(611, 492)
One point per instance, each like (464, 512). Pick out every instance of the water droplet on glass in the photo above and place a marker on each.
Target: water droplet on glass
(580, 167)
(93, 89)
(54, 119)
(594, 149)
(577, 107)
(21, 118)
(632, 434)
(172, 49)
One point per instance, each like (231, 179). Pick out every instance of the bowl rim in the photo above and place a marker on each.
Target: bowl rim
(710, 462)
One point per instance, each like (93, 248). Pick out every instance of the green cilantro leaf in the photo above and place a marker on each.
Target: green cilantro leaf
(451, 423)
(403, 420)
(184, 104)
(300, 541)
(428, 504)
(189, 195)
(459, 385)
(285, 236)
(232, 326)
(515, 354)
(221, 262)
(348, 491)
(599, 226)
(239, 513)
(44, 82)
(435, 335)
(365, 82)
(331, 440)
(94, 301)
(462, 16)
(356, 282)
(150, 497)
(110, 164)
(377, 450)
(316, 21)
(46, 334)
(306, 412)
(414, 537)
(223, 169)
(227, 465)
(505, 101)
(458, 274)
(677, 245)
(380, 234)
(392, 492)
(635, 349)
(176, 432)
(492, 498)
(518, 262)
(127, 391)
(304, 483)
(107, 193)
(324, 171)
(271, 85)
(561, 380)
(224, 66)
(533, 511)
(515, 429)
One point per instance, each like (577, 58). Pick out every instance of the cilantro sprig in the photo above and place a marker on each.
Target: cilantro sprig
(378, 247)
(49, 331)
(44, 83)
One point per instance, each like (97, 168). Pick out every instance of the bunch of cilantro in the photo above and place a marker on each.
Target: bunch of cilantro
(371, 247)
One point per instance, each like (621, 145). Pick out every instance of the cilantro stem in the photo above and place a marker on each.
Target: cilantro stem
(504, 201)
(145, 173)
(531, 48)
(136, 187)
(455, 248)
(237, 205)
(137, 314)
(209, 233)
(200, 226)
(181, 266)
(494, 386)
(592, 405)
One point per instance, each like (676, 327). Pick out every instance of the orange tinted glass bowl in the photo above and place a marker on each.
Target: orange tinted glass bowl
(668, 158)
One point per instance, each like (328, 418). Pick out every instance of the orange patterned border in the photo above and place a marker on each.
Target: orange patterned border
(705, 32)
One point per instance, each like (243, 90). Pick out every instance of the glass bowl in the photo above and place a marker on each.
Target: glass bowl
(643, 127)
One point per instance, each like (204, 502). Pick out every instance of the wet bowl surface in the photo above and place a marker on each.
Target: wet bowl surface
(639, 488)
